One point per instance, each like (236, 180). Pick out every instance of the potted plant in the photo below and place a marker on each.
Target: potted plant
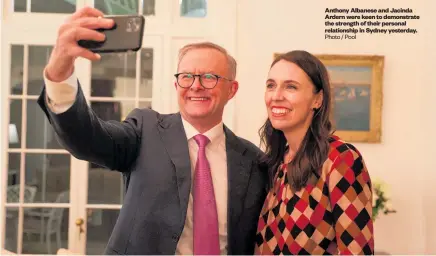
(381, 203)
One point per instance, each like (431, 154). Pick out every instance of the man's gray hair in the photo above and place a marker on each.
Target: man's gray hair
(231, 62)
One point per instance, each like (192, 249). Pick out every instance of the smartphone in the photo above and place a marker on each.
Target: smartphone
(126, 35)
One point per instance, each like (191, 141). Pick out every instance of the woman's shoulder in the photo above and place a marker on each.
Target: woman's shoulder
(345, 169)
(341, 148)
(343, 157)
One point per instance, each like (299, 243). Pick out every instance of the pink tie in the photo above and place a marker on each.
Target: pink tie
(206, 236)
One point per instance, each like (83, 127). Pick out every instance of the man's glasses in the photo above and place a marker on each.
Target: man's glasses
(208, 81)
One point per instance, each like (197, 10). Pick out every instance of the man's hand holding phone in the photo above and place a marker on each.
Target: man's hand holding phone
(82, 25)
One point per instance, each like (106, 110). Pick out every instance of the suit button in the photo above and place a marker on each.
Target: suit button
(175, 237)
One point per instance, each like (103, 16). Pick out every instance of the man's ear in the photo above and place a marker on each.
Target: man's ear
(175, 85)
(233, 89)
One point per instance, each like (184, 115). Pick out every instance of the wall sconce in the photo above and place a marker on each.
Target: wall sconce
(13, 134)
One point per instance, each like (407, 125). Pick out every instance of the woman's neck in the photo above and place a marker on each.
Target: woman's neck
(294, 138)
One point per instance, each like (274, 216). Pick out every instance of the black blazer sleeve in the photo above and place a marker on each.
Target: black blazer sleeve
(111, 144)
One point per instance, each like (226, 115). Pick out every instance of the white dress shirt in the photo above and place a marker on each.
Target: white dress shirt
(62, 96)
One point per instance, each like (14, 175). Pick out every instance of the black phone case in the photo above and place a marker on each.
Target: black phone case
(126, 35)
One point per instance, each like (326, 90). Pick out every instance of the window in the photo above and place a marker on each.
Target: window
(125, 7)
(46, 6)
(193, 8)
(38, 168)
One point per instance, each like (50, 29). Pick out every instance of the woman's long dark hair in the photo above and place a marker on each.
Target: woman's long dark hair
(314, 148)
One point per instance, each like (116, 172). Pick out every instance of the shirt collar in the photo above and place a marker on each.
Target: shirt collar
(213, 134)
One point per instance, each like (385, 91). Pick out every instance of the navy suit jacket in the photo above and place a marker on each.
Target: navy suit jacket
(151, 151)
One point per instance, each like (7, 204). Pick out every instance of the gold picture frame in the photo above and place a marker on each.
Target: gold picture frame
(357, 95)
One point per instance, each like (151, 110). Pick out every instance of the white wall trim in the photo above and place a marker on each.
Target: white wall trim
(2, 133)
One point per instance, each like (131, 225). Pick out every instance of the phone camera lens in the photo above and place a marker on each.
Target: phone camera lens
(132, 26)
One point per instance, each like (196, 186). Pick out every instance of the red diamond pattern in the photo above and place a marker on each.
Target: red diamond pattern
(332, 216)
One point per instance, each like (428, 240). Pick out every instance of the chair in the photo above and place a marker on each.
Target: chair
(13, 194)
(6, 252)
(52, 218)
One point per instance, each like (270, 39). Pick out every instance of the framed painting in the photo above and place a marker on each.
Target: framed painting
(357, 95)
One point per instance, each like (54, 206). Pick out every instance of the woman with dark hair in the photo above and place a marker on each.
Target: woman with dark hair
(320, 197)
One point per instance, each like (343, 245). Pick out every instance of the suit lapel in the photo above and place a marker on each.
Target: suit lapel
(238, 168)
(174, 139)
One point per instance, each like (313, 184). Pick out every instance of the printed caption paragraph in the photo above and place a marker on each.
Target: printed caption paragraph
(343, 24)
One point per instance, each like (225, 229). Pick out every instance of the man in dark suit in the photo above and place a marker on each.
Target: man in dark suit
(192, 186)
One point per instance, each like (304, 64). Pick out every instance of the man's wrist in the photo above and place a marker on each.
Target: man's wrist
(57, 77)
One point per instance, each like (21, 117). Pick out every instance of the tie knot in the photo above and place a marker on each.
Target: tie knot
(201, 140)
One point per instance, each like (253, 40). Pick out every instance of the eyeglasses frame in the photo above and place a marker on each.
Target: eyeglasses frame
(218, 77)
